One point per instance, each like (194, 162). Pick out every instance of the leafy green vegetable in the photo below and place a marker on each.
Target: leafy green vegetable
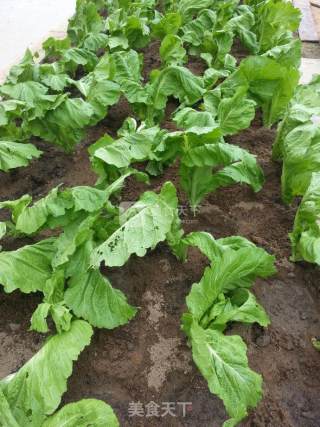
(206, 167)
(172, 51)
(142, 226)
(305, 238)
(178, 82)
(82, 414)
(222, 296)
(64, 125)
(92, 297)
(35, 391)
(27, 268)
(270, 84)
(275, 22)
(223, 362)
(14, 155)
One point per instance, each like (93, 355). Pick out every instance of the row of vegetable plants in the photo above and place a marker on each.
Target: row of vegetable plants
(71, 90)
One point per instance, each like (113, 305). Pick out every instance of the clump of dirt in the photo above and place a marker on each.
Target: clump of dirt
(149, 360)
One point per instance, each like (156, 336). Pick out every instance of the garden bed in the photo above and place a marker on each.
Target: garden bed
(148, 360)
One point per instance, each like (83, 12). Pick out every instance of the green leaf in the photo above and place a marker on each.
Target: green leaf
(14, 155)
(188, 8)
(144, 225)
(214, 248)
(275, 18)
(85, 21)
(301, 157)
(168, 24)
(137, 32)
(28, 92)
(31, 219)
(100, 92)
(270, 84)
(74, 235)
(233, 165)
(197, 122)
(6, 417)
(236, 113)
(138, 145)
(235, 268)
(94, 42)
(194, 31)
(178, 82)
(305, 237)
(35, 391)
(223, 362)
(92, 297)
(240, 307)
(287, 54)
(3, 229)
(55, 47)
(86, 412)
(38, 319)
(27, 268)
(172, 51)
(242, 25)
(65, 124)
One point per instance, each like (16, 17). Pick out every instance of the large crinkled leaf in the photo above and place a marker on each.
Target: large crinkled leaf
(234, 269)
(65, 124)
(35, 391)
(86, 20)
(125, 66)
(274, 20)
(287, 54)
(305, 237)
(242, 25)
(188, 8)
(56, 205)
(194, 31)
(172, 51)
(74, 235)
(31, 219)
(214, 248)
(75, 56)
(166, 24)
(85, 413)
(100, 93)
(270, 84)
(144, 225)
(28, 268)
(223, 362)
(91, 296)
(136, 145)
(197, 122)
(301, 157)
(15, 155)
(29, 92)
(304, 105)
(236, 113)
(178, 82)
(209, 166)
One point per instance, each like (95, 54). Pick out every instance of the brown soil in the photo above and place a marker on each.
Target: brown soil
(148, 359)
